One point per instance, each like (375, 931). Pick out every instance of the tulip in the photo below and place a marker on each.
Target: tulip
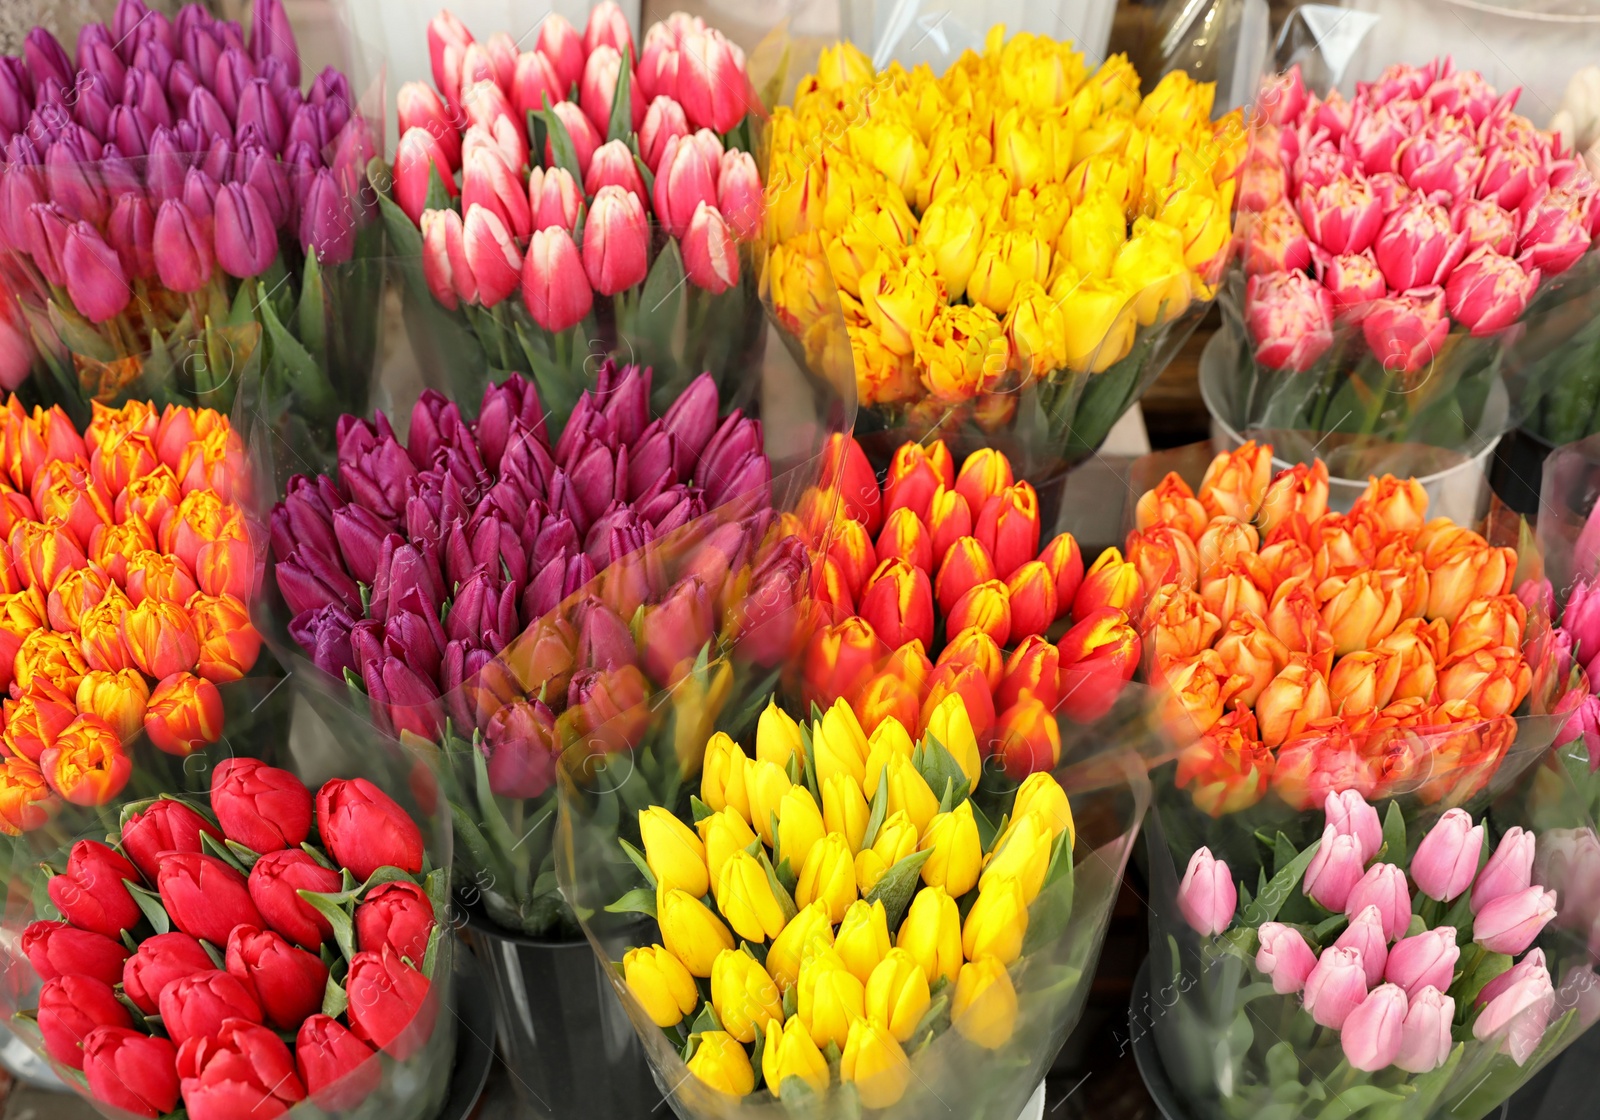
(553, 285)
(800, 824)
(388, 1003)
(663, 120)
(723, 834)
(1425, 1037)
(95, 280)
(1365, 935)
(274, 885)
(691, 932)
(131, 1071)
(1290, 318)
(1509, 870)
(1334, 870)
(1284, 957)
(789, 1052)
(86, 764)
(242, 1062)
(710, 255)
(829, 998)
(56, 949)
(417, 159)
(875, 1064)
(90, 893)
(721, 1063)
(335, 1066)
(984, 1007)
(204, 896)
(722, 776)
(931, 933)
(259, 806)
(364, 829)
(1426, 960)
(1509, 923)
(616, 241)
(1556, 229)
(1520, 1012)
(196, 1006)
(828, 874)
(740, 199)
(72, 1006)
(160, 960)
(1335, 987)
(1373, 1033)
(399, 915)
(1207, 895)
(1350, 815)
(418, 106)
(844, 810)
(288, 982)
(184, 714)
(1383, 885)
(1446, 861)
(661, 984)
(166, 826)
(685, 177)
(745, 998)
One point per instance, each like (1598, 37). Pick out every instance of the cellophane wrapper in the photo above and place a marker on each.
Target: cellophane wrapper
(1103, 775)
(325, 742)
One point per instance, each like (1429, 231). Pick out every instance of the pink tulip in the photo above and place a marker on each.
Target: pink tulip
(16, 347)
(1447, 859)
(1509, 870)
(1350, 815)
(1510, 173)
(1319, 164)
(1275, 241)
(444, 259)
(616, 241)
(1511, 922)
(1332, 116)
(1372, 1033)
(1441, 158)
(486, 106)
(1532, 963)
(182, 250)
(560, 44)
(1465, 92)
(1391, 190)
(598, 88)
(608, 27)
(685, 178)
(1283, 97)
(1207, 896)
(1383, 886)
(1485, 223)
(1365, 935)
(1488, 292)
(505, 139)
(612, 165)
(1583, 722)
(1284, 956)
(96, 283)
(739, 194)
(1556, 230)
(663, 120)
(487, 183)
(712, 86)
(585, 140)
(534, 81)
(553, 198)
(1375, 135)
(1519, 1011)
(1581, 618)
(710, 257)
(1354, 283)
(492, 255)
(1427, 960)
(1263, 184)
(416, 158)
(1406, 331)
(1290, 318)
(131, 232)
(1568, 862)
(1334, 870)
(1343, 216)
(1425, 1039)
(502, 51)
(1417, 245)
(420, 107)
(1335, 987)
(448, 39)
(554, 286)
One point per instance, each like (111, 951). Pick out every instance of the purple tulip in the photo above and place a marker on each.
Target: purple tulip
(167, 165)
(325, 634)
(190, 15)
(234, 69)
(302, 518)
(47, 227)
(407, 578)
(482, 604)
(463, 662)
(543, 592)
(200, 196)
(46, 59)
(131, 129)
(659, 454)
(409, 636)
(217, 160)
(627, 406)
(94, 99)
(257, 167)
(258, 107)
(521, 745)
(128, 21)
(15, 100)
(205, 112)
(513, 401)
(117, 173)
(20, 192)
(693, 416)
(360, 534)
(402, 699)
(331, 91)
(435, 423)
(74, 184)
(306, 125)
(182, 81)
(247, 240)
(131, 231)
(310, 579)
(527, 460)
(152, 62)
(271, 36)
(202, 50)
(95, 280)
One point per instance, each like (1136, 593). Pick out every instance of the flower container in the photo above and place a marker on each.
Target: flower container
(1518, 467)
(935, 32)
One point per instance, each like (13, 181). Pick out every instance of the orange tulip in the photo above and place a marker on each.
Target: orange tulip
(156, 575)
(226, 567)
(1417, 646)
(1008, 526)
(1227, 769)
(115, 463)
(1343, 545)
(216, 461)
(1236, 482)
(986, 606)
(72, 499)
(840, 659)
(1467, 574)
(1399, 506)
(47, 656)
(1032, 592)
(160, 638)
(1181, 623)
(1280, 561)
(1029, 738)
(1363, 681)
(150, 497)
(949, 519)
(906, 537)
(87, 765)
(1162, 555)
(108, 424)
(1400, 569)
(1297, 497)
(44, 554)
(851, 549)
(910, 663)
(35, 720)
(1492, 680)
(830, 590)
(1232, 594)
(1195, 693)
(1296, 696)
(968, 682)
(848, 470)
(1110, 582)
(1295, 619)
(1488, 624)
(100, 632)
(1323, 760)
(1251, 651)
(184, 714)
(915, 472)
(180, 426)
(1033, 667)
(1097, 656)
(965, 566)
(973, 646)
(887, 695)
(113, 546)
(1171, 503)
(898, 603)
(118, 698)
(199, 518)
(40, 437)
(1463, 749)
(74, 595)
(229, 643)
(14, 507)
(1358, 612)
(24, 797)
(1065, 561)
(985, 474)
(1224, 543)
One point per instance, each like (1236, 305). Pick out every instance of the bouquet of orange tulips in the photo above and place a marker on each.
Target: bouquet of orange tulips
(128, 567)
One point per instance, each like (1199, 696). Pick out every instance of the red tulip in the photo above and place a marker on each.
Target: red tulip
(399, 915)
(166, 826)
(533, 81)
(244, 1073)
(553, 282)
(616, 241)
(161, 960)
(196, 1006)
(72, 1006)
(487, 181)
(612, 165)
(388, 1003)
(685, 177)
(418, 106)
(288, 982)
(260, 806)
(597, 89)
(898, 604)
(560, 42)
(710, 255)
(336, 1066)
(131, 1071)
(275, 882)
(585, 140)
(663, 120)
(90, 893)
(205, 897)
(553, 198)
(57, 949)
(364, 829)
(415, 160)
(608, 27)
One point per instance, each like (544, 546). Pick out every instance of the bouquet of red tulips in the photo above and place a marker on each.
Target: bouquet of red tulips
(278, 948)
(180, 214)
(608, 186)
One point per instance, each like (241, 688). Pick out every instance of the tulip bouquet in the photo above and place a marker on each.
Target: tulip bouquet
(592, 178)
(956, 598)
(178, 213)
(853, 921)
(1370, 972)
(1402, 251)
(1020, 246)
(233, 963)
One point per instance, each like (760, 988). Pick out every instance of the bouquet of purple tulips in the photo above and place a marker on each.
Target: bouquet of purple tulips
(178, 211)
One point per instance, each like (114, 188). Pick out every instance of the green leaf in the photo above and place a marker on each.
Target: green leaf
(1051, 911)
(621, 126)
(300, 370)
(312, 312)
(880, 807)
(438, 196)
(150, 905)
(334, 999)
(663, 289)
(940, 770)
(498, 832)
(430, 955)
(1394, 835)
(537, 135)
(638, 859)
(897, 886)
(640, 900)
(699, 809)
(243, 854)
(561, 146)
(1265, 907)
(332, 907)
(1349, 1101)
(220, 850)
(779, 891)
(808, 747)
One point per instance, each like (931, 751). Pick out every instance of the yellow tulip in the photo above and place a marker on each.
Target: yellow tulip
(1041, 794)
(953, 232)
(897, 994)
(793, 198)
(1093, 234)
(874, 1062)
(931, 933)
(925, 102)
(1178, 102)
(811, 927)
(1114, 86)
(789, 1052)
(843, 66)
(676, 856)
(765, 785)
(1044, 210)
(984, 1007)
(723, 834)
(838, 744)
(1108, 172)
(1036, 330)
(746, 899)
(1006, 260)
(952, 727)
(722, 1063)
(997, 923)
(894, 149)
(722, 781)
(1202, 219)
(1023, 855)
(909, 793)
(828, 998)
(778, 736)
(863, 938)
(1022, 149)
(1039, 71)
(952, 159)
(1100, 323)
(660, 983)
(1105, 135)
(743, 994)
(829, 874)
(800, 826)
(848, 187)
(962, 351)
(897, 838)
(888, 738)
(844, 810)
(882, 376)
(691, 932)
(1164, 159)
(1151, 266)
(957, 852)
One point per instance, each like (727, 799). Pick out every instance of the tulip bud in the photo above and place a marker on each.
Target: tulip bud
(789, 1052)
(1509, 870)
(830, 998)
(1335, 987)
(828, 874)
(1207, 895)
(663, 120)
(1425, 1036)
(676, 855)
(1334, 870)
(746, 999)
(1427, 960)
(166, 826)
(1509, 923)
(418, 157)
(690, 932)
(875, 1064)
(1372, 1033)
(288, 982)
(275, 884)
(844, 810)
(184, 713)
(389, 1003)
(722, 776)
(1285, 957)
(710, 254)
(984, 1007)
(70, 1008)
(1520, 1009)
(898, 603)
(1350, 815)
(554, 287)
(660, 983)
(810, 929)
(259, 806)
(863, 938)
(685, 177)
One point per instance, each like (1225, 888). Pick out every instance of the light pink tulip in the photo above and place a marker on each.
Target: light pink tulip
(1485, 223)
(1519, 1013)
(1365, 935)
(560, 43)
(417, 156)
(1284, 956)
(1383, 886)
(1509, 870)
(1427, 960)
(710, 257)
(1532, 962)
(1488, 292)
(1207, 896)
(1351, 815)
(1511, 922)
(554, 285)
(1335, 987)
(663, 120)
(616, 241)
(1318, 165)
(1405, 332)
(1568, 862)
(1425, 1039)
(1372, 1033)
(1417, 245)
(1355, 283)
(739, 194)
(1334, 871)
(553, 198)
(1447, 859)
(1275, 241)
(1342, 216)
(613, 165)
(486, 181)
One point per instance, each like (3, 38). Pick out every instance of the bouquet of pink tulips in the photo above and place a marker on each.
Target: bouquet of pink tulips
(580, 199)
(1381, 970)
(1403, 251)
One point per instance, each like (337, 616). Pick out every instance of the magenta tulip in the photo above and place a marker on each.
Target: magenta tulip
(247, 239)
(96, 283)
(1342, 216)
(1486, 225)
(1488, 292)
(1557, 229)
(1418, 245)
(1284, 956)
(182, 250)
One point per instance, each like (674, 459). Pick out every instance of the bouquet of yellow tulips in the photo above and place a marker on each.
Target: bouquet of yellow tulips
(855, 921)
(1019, 245)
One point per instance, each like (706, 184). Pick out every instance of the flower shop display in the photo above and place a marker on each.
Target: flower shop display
(935, 585)
(1405, 251)
(268, 952)
(183, 216)
(1019, 245)
(850, 921)
(579, 198)
(127, 577)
